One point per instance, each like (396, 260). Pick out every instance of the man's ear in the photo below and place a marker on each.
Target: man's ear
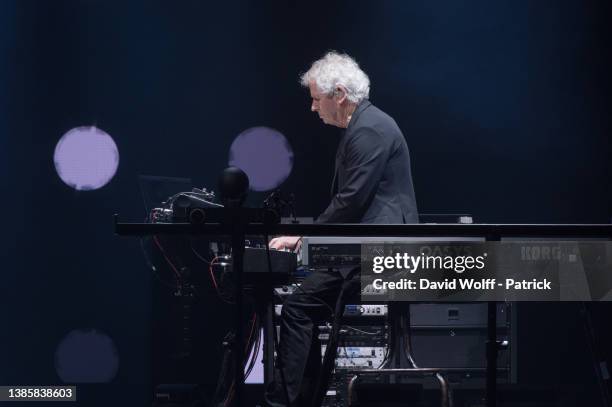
(340, 94)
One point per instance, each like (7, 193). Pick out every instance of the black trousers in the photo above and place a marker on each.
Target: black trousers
(299, 348)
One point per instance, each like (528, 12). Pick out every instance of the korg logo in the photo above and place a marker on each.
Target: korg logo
(530, 253)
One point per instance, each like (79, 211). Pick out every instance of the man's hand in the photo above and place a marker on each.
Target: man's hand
(293, 243)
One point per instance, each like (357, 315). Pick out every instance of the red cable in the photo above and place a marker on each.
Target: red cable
(231, 389)
(163, 252)
(212, 274)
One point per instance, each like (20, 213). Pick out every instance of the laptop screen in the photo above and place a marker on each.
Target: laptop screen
(157, 189)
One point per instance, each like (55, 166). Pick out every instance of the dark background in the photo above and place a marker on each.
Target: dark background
(505, 107)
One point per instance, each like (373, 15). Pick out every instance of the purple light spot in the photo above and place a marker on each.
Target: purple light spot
(86, 158)
(265, 155)
(86, 357)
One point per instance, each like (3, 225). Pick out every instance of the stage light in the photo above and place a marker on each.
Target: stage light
(86, 356)
(265, 155)
(86, 158)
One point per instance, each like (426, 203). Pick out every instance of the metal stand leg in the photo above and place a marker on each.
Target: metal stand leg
(237, 259)
(268, 343)
(492, 354)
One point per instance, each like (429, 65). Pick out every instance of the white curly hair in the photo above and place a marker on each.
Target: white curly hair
(338, 69)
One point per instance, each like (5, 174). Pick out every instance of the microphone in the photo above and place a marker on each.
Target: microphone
(233, 186)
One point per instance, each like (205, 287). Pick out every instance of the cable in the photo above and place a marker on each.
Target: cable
(198, 255)
(229, 295)
(163, 252)
(359, 330)
(151, 266)
(172, 266)
(385, 357)
(255, 347)
(211, 263)
(212, 274)
(248, 342)
(230, 395)
(341, 341)
(389, 344)
(408, 337)
(225, 298)
(149, 262)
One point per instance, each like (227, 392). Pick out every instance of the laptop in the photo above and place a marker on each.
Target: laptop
(157, 189)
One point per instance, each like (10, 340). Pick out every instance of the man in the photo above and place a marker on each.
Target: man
(372, 184)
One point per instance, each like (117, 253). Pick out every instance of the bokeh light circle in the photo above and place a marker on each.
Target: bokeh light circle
(86, 158)
(265, 155)
(86, 356)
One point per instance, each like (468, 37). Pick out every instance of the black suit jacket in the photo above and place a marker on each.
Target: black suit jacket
(372, 181)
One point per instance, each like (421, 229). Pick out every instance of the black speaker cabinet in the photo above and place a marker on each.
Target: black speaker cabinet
(455, 335)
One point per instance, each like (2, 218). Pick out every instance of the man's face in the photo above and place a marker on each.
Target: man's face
(326, 106)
